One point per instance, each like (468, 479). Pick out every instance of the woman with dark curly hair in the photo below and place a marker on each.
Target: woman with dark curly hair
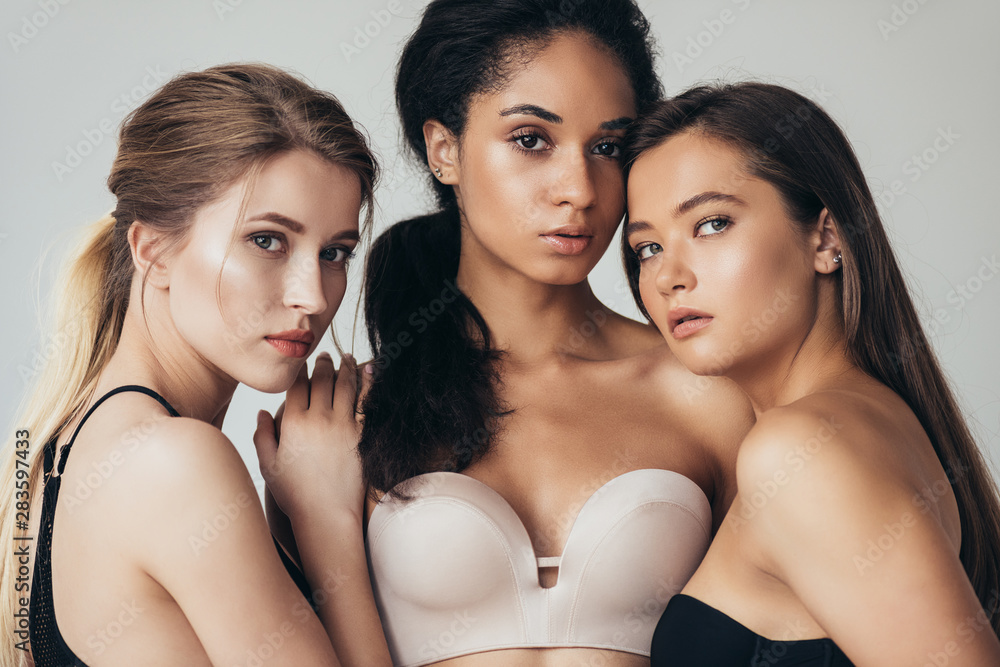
(541, 474)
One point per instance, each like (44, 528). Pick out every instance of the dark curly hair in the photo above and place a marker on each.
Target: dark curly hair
(434, 404)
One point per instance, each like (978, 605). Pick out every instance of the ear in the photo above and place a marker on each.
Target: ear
(827, 243)
(442, 151)
(146, 245)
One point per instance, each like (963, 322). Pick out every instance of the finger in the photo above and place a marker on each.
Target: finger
(297, 397)
(265, 442)
(321, 383)
(366, 373)
(346, 391)
(279, 413)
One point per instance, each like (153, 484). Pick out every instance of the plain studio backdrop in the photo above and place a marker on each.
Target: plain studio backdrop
(913, 82)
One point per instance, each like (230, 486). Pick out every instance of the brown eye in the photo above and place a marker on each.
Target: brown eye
(528, 141)
(608, 149)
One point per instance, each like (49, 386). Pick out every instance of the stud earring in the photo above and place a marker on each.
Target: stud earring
(836, 260)
(437, 171)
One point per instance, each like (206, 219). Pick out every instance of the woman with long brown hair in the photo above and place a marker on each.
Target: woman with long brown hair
(238, 193)
(866, 526)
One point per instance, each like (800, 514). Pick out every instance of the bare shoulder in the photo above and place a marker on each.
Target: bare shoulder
(829, 461)
(183, 453)
(845, 431)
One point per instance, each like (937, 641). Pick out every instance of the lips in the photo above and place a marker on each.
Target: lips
(684, 321)
(292, 343)
(569, 239)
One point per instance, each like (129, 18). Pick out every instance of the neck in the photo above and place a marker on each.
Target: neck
(157, 357)
(533, 322)
(817, 361)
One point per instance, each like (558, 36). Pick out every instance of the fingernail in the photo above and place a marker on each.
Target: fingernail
(260, 417)
(369, 369)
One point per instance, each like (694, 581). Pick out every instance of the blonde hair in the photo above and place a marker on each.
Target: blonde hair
(178, 151)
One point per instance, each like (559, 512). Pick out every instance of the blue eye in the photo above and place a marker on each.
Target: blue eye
(644, 252)
(713, 226)
(269, 241)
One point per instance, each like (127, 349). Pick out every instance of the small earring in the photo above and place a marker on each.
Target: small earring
(437, 172)
(836, 260)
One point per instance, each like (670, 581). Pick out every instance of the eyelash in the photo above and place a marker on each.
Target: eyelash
(348, 254)
(715, 218)
(521, 134)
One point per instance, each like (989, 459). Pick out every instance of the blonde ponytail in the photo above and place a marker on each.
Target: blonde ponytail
(89, 303)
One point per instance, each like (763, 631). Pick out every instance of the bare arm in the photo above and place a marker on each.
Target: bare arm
(315, 478)
(881, 577)
(229, 581)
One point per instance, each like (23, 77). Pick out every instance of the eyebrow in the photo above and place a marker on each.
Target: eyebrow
(707, 198)
(684, 207)
(298, 227)
(556, 119)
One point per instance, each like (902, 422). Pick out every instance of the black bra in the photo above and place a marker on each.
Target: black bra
(694, 634)
(48, 648)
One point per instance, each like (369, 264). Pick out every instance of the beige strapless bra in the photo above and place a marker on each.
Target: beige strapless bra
(454, 571)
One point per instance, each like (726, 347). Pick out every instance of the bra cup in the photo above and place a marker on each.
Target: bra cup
(622, 590)
(453, 558)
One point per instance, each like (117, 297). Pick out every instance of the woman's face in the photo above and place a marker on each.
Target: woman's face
(538, 174)
(283, 279)
(725, 274)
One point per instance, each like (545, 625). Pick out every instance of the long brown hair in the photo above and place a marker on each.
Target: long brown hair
(177, 152)
(791, 143)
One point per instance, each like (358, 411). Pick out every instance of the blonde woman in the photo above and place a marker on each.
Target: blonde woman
(238, 191)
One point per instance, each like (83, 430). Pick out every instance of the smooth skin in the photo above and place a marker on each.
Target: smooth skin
(837, 463)
(537, 155)
(165, 558)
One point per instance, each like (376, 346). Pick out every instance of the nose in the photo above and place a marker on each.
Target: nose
(574, 184)
(674, 271)
(304, 286)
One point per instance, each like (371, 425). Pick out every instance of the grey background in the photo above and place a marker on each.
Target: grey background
(896, 74)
